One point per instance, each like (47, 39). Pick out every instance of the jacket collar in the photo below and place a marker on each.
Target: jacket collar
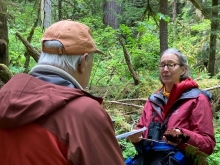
(55, 70)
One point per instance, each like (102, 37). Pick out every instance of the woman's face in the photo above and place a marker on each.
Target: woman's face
(170, 70)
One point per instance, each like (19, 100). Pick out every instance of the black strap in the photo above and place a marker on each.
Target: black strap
(164, 124)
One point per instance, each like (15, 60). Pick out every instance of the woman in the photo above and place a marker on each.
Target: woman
(179, 106)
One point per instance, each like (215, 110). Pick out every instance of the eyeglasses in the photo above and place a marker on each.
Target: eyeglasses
(169, 66)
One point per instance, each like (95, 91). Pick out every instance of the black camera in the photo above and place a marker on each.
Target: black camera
(154, 131)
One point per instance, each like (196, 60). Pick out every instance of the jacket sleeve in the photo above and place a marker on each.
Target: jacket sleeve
(145, 118)
(94, 141)
(201, 126)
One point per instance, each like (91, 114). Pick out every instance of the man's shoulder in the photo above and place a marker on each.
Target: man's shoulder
(85, 105)
(22, 76)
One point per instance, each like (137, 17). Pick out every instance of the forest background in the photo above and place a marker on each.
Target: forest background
(132, 34)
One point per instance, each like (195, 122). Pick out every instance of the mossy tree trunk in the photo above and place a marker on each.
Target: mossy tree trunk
(5, 74)
(213, 38)
(3, 33)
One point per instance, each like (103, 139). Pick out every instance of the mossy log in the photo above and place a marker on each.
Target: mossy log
(5, 73)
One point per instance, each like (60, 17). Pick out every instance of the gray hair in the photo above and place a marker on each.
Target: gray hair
(182, 61)
(66, 62)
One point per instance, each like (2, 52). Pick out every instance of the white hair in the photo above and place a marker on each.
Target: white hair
(66, 62)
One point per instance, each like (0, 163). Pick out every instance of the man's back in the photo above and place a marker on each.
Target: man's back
(43, 123)
(29, 145)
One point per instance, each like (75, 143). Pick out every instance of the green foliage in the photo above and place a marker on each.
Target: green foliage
(214, 158)
(130, 18)
(22, 23)
(128, 149)
(202, 26)
(111, 68)
(217, 75)
(120, 124)
(161, 16)
(193, 41)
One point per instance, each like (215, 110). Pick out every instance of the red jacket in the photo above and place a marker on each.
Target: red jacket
(46, 124)
(193, 114)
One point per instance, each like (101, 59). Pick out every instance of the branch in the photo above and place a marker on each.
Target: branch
(116, 102)
(30, 49)
(128, 61)
(211, 88)
(198, 5)
(136, 99)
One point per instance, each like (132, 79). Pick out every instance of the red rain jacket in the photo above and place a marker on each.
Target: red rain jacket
(193, 114)
(46, 124)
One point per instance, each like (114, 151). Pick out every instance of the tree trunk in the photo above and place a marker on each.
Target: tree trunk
(163, 26)
(3, 34)
(46, 13)
(174, 16)
(111, 10)
(128, 62)
(60, 15)
(213, 38)
(174, 10)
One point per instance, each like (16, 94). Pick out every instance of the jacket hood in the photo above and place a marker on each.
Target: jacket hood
(25, 98)
(177, 90)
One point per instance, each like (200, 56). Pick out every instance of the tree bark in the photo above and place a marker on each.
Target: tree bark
(213, 38)
(163, 9)
(174, 10)
(3, 33)
(111, 10)
(60, 14)
(46, 13)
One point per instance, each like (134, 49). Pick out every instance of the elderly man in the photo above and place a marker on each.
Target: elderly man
(46, 118)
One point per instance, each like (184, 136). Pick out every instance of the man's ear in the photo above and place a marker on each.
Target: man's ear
(82, 63)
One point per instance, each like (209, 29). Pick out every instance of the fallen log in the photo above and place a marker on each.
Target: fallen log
(30, 49)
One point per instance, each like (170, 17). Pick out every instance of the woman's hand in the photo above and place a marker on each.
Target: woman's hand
(169, 142)
(175, 137)
(135, 137)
